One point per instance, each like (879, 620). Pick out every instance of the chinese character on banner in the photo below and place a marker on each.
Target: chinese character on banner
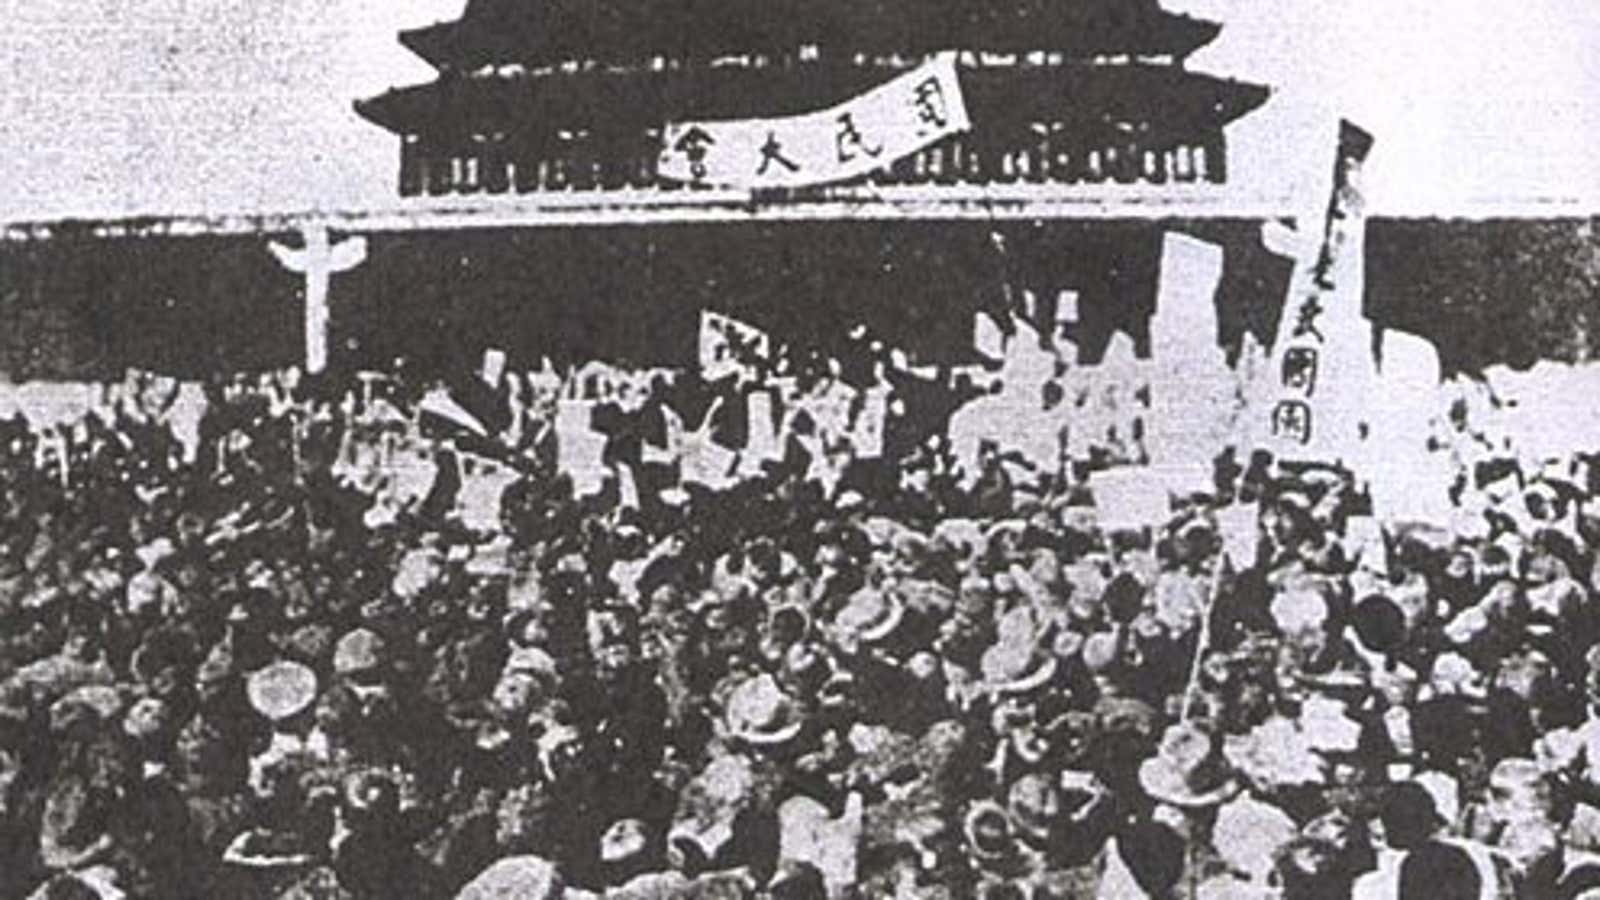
(1305, 322)
(929, 103)
(851, 142)
(694, 144)
(1291, 419)
(772, 152)
(1300, 369)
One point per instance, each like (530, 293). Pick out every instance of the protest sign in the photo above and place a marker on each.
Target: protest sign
(1128, 498)
(1397, 459)
(1240, 527)
(871, 131)
(1189, 362)
(726, 342)
(1364, 544)
(762, 446)
(483, 485)
(987, 338)
(579, 448)
(867, 432)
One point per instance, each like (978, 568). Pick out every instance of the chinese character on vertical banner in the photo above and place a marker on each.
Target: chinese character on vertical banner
(873, 130)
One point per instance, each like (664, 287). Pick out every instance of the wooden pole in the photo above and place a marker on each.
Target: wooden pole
(1203, 640)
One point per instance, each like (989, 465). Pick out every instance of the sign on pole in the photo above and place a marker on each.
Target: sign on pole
(1321, 360)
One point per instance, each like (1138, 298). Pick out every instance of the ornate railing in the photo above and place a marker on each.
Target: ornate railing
(495, 164)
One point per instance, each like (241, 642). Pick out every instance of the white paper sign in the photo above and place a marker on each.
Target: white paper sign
(871, 131)
(579, 448)
(721, 340)
(1130, 498)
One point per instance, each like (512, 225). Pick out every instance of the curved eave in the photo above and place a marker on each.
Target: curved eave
(536, 37)
(618, 101)
(438, 44)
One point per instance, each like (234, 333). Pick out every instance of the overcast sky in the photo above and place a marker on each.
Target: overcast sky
(164, 106)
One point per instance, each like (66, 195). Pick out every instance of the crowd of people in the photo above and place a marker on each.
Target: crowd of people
(221, 675)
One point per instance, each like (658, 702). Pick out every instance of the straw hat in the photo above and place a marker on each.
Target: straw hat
(1250, 834)
(1297, 611)
(1101, 651)
(760, 713)
(516, 878)
(626, 840)
(281, 690)
(359, 650)
(147, 718)
(1187, 770)
(870, 616)
(371, 791)
(1017, 666)
(1327, 727)
(988, 832)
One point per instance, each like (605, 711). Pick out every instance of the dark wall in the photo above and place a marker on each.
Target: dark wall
(76, 306)
(1487, 292)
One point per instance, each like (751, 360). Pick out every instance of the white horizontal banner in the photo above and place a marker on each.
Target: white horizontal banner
(868, 132)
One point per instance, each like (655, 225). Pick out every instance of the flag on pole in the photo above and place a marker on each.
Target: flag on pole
(727, 343)
(440, 405)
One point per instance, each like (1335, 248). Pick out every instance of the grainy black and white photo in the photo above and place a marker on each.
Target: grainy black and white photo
(776, 450)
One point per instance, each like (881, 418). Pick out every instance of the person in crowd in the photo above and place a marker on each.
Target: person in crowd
(250, 668)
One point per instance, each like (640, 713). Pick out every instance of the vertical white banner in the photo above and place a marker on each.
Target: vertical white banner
(1321, 376)
(1187, 422)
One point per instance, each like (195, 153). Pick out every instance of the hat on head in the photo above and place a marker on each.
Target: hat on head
(1179, 600)
(1298, 610)
(371, 791)
(1017, 666)
(102, 700)
(626, 840)
(1409, 815)
(1033, 805)
(1445, 791)
(1101, 651)
(988, 832)
(760, 713)
(1379, 624)
(1187, 770)
(310, 643)
(1067, 644)
(1327, 727)
(806, 666)
(147, 718)
(1520, 789)
(516, 878)
(1123, 598)
(870, 615)
(1453, 673)
(1250, 834)
(281, 690)
(359, 650)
